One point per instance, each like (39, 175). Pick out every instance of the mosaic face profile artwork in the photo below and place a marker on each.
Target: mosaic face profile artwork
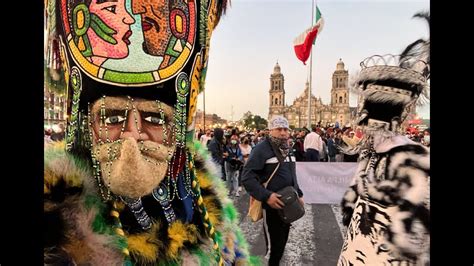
(130, 42)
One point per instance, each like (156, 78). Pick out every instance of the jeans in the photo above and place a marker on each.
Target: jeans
(312, 155)
(232, 178)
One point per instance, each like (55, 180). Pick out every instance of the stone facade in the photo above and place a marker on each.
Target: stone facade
(297, 113)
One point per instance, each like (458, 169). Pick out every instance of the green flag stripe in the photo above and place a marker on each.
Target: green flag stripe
(318, 17)
(318, 14)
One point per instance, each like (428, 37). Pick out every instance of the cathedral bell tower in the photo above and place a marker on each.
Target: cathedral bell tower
(340, 94)
(277, 92)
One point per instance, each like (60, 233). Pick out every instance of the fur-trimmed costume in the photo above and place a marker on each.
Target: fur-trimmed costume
(387, 208)
(80, 230)
(399, 189)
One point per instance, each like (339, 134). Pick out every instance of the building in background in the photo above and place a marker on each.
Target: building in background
(338, 111)
(54, 109)
(212, 121)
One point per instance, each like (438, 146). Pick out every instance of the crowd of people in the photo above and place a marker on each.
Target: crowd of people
(231, 147)
(321, 144)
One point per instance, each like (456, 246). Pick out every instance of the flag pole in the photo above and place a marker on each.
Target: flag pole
(310, 70)
(204, 109)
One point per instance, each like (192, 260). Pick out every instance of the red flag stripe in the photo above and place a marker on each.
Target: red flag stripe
(303, 48)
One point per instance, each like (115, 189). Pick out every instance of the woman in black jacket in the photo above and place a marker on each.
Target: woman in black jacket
(216, 148)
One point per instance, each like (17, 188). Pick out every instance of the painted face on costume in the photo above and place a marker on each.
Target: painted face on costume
(155, 16)
(132, 141)
(111, 38)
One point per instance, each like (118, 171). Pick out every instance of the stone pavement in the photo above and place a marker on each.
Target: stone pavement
(315, 239)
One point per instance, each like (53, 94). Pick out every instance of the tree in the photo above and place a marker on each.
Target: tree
(254, 121)
(260, 122)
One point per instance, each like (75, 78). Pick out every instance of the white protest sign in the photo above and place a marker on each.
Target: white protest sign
(323, 182)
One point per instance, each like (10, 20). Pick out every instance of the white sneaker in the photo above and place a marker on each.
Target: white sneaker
(237, 194)
(240, 189)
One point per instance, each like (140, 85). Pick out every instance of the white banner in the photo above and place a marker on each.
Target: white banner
(323, 182)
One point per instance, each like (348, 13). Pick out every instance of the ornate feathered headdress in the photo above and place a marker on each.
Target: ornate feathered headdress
(148, 49)
(390, 85)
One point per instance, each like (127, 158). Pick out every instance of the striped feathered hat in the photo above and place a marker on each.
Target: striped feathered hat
(390, 85)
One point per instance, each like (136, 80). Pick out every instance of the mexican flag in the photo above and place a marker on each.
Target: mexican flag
(305, 40)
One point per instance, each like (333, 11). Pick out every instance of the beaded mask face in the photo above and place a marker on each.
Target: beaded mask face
(132, 143)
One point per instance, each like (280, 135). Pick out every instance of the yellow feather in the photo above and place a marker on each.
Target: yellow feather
(204, 181)
(61, 167)
(145, 246)
(50, 179)
(177, 237)
(180, 233)
(213, 211)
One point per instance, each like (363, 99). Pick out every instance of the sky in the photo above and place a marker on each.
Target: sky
(254, 34)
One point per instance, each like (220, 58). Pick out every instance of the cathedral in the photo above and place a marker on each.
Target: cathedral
(338, 111)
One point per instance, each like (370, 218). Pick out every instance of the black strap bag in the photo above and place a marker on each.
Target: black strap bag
(293, 209)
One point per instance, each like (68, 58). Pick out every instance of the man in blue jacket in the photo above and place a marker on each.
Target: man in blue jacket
(272, 152)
